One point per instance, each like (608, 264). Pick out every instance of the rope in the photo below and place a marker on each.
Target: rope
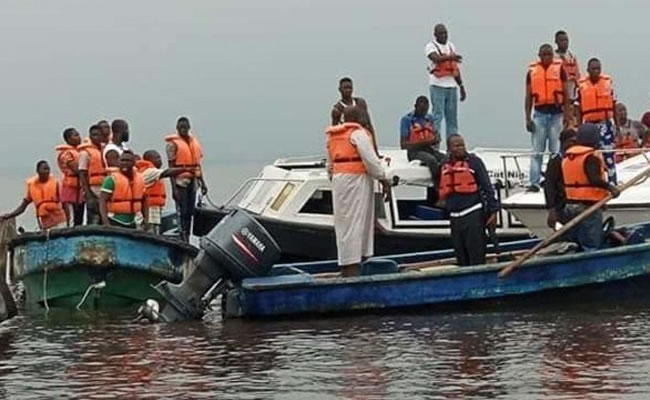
(98, 285)
(207, 197)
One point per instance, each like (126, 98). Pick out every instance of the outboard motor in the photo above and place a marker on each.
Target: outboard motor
(237, 248)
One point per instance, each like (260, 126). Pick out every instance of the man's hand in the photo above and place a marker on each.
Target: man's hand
(614, 191)
(385, 188)
(491, 221)
(530, 126)
(551, 219)
(463, 93)
(204, 189)
(458, 58)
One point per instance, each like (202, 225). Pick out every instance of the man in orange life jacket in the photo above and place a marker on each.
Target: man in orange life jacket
(122, 201)
(444, 80)
(629, 134)
(597, 103)
(68, 161)
(469, 199)
(554, 195)
(419, 138)
(546, 91)
(345, 89)
(585, 183)
(184, 151)
(92, 173)
(43, 190)
(156, 196)
(354, 166)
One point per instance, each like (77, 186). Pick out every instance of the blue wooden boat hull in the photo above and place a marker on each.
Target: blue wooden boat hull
(61, 266)
(603, 272)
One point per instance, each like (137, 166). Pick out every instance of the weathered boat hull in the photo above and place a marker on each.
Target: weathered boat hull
(617, 272)
(96, 267)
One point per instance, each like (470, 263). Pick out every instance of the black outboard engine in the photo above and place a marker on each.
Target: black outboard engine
(237, 248)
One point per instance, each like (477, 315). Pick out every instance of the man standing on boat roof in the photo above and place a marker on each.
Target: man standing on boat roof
(585, 183)
(68, 161)
(92, 172)
(597, 105)
(469, 199)
(444, 80)
(184, 151)
(546, 93)
(43, 190)
(122, 200)
(117, 145)
(419, 137)
(345, 89)
(354, 166)
(554, 184)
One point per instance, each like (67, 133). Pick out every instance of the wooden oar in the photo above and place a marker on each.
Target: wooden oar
(569, 225)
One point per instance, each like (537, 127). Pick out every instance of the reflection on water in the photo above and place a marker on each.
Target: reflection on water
(556, 354)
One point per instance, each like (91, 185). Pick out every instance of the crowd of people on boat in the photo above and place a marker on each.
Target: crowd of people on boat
(104, 182)
(560, 104)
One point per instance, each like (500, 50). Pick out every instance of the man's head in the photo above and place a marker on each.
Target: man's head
(153, 157)
(126, 163)
(421, 106)
(72, 137)
(106, 130)
(546, 54)
(440, 33)
(353, 114)
(96, 135)
(456, 146)
(567, 138)
(593, 69)
(345, 87)
(589, 135)
(183, 126)
(120, 130)
(43, 170)
(621, 113)
(562, 41)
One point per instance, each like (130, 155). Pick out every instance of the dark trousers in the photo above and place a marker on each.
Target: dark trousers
(589, 232)
(78, 213)
(468, 238)
(185, 207)
(92, 211)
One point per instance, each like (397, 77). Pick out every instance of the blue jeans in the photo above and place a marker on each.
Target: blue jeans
(589, 232)
(444, 103)
(547, 129)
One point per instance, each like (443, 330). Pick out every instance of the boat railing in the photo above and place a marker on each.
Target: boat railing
(245, 188)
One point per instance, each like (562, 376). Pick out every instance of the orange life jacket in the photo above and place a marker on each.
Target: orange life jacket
(456, 177)
(127, 194)
(596, 100)
(624, 142)
(188, 155)
(96, 169)
(156, 194)
(47, 202)
(70, 178)
(570, 65)
(420, 134)
(576, 183)
(342, 153)
(546, 83)
(445, 68)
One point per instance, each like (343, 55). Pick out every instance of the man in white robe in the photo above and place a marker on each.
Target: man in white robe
(354, 209)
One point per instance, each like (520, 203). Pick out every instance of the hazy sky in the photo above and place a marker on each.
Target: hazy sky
(258, 78)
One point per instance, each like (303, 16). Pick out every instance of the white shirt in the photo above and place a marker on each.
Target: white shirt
(113, 146)
(441, 49)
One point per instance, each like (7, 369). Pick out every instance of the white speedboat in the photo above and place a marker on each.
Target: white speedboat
(631, 207)
(292, 198)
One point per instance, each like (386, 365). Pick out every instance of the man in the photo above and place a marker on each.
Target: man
(444, 80)
(345, 89)
(184, 151)
(546, 92)
(629, 134)
(154, 186)
(43, 191)
(122, 200)
(554, 185)
(92, 173)
(419, 138)
(354, 165)
(68, 162)
(106, 131)
(117, 145)
(585, 183)
(597, 104)
(569, 62)
(470, 201)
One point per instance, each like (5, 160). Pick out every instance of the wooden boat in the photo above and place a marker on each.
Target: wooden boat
(96, 267)
(310, 289)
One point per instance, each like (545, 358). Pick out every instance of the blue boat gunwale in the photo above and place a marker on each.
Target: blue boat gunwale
(266, 284)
